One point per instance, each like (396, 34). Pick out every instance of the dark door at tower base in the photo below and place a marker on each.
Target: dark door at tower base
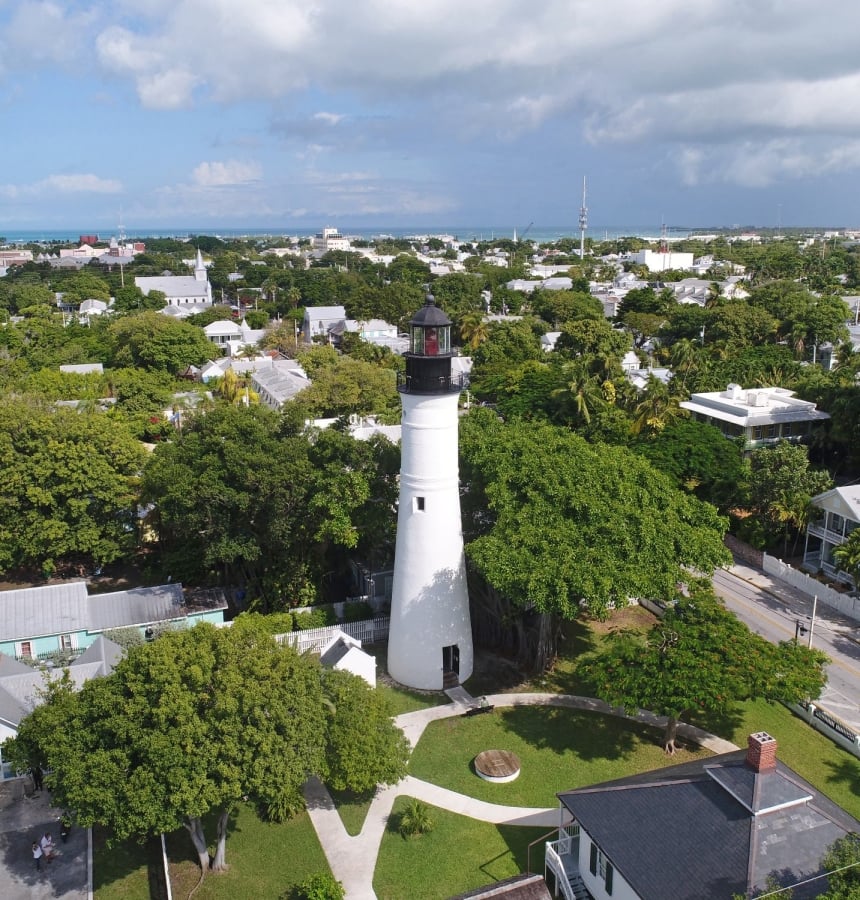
(451, 659)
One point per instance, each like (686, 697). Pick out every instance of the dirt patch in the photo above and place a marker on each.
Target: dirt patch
(631, 618)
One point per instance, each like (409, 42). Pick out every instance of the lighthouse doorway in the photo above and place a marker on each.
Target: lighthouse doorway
(451, 660)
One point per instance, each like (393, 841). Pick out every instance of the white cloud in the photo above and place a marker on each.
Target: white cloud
(759, 90)
(328, 118)
(63, 184)
(224, 174)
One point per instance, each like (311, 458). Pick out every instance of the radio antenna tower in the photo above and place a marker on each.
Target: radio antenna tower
(583, 223)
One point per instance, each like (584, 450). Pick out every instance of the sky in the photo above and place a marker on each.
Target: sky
(300, 114)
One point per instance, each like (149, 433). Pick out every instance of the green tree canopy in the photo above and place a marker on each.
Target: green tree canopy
(240, 498)
(557, 525)
(69, 488)
(198, 719)
(699, 458)
(701, 659)
(155, 341)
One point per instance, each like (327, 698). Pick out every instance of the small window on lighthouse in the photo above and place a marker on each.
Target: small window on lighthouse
(419, 504)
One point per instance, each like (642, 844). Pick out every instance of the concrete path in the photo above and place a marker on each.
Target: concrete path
(353, 858)
(65, 878)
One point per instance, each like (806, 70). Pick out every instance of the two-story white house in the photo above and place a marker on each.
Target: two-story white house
(834, 515)
(760, 416)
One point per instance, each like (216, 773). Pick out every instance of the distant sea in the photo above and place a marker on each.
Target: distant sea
(540, 234)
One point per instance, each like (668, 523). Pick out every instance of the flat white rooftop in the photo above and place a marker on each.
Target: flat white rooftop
(755, 406)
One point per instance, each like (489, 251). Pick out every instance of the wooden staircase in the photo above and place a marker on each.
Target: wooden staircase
(450, 680)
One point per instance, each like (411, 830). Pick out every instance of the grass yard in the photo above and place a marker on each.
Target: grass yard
(458, 855)
(352, 809)
(559, 749)
(401, 699)
(822, 763)
(265, 859)
(121, 872)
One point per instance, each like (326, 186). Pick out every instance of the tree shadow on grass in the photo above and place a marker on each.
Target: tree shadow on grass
(561, 730)
(847, 772)
(518, 841)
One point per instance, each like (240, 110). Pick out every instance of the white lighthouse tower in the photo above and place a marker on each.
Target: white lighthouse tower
(430, 639)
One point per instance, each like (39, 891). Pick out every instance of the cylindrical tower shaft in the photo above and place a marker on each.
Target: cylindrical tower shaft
(430, 638)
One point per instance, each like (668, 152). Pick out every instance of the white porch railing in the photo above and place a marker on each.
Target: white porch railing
(555, 864)
(562, 859)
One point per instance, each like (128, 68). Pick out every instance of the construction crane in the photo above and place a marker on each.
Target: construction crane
(527, 229)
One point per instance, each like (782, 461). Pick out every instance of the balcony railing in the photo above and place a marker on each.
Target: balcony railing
(444, 384)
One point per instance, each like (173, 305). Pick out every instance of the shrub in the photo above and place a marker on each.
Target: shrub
(357, 612)
(415, 819)
(321, 886)
(317, 617)
(124, 637)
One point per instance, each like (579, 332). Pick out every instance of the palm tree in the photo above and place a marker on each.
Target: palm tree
(791, 510)
(659, 406)
(847, 556)
(473, 329)
(684, 358)
(714, 296)
(581, 396)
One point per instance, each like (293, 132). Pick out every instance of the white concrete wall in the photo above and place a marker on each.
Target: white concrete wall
(430, 602)
(621, 890)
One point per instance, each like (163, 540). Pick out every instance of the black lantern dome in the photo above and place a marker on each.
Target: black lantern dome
(428, 361)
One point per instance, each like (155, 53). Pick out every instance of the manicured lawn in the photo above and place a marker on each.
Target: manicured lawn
(559, 749)
(460, 854)
(828, 767)
(401, 699)
(265, 859)
(352, 809)
(121, 872)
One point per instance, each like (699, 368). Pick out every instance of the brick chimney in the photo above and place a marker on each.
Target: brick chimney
(761, 752)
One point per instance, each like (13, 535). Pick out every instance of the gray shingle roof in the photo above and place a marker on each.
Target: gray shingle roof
(680, 833)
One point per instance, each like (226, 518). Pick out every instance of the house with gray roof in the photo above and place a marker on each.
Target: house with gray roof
(181, 291)
(279, 381)
(41, 622)
(21, 686)
(319, 319)
(717, 827)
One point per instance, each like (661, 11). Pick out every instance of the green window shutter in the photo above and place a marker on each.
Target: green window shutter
(593, 863)
(609, 878)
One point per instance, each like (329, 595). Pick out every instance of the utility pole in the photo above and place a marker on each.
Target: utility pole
(812, 623)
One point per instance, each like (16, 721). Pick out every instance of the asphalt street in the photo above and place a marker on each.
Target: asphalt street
(778, 611)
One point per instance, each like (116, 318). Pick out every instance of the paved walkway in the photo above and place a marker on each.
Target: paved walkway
(353, 858)
(65, 878)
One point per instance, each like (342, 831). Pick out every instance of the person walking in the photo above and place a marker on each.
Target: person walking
(37, 856)
(47, 846)
(65, 827)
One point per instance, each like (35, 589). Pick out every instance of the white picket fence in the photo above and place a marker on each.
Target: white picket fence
(847, 604)
(369, 631)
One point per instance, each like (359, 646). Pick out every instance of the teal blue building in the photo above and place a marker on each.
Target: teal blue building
(42, 622)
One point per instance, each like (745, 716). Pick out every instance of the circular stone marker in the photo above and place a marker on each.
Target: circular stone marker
(497, 765)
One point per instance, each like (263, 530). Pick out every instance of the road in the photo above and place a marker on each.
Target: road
(772, 609)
